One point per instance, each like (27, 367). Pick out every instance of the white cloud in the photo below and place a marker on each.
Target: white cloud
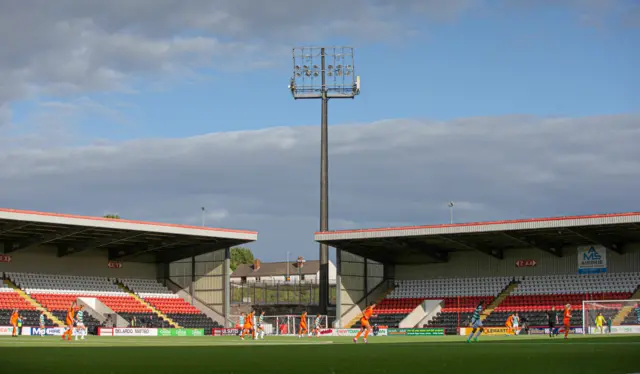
(402, 172)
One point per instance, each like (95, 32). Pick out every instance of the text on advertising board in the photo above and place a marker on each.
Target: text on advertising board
(526, 263)
(5, 258)
(114, 265)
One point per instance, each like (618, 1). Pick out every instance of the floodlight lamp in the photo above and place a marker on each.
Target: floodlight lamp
(308, 73)
(305, 67)
(330, 73)
(330, 67)
(316, 66)
(298, 74)
(315, 73)
(297, 67)
(348, 72)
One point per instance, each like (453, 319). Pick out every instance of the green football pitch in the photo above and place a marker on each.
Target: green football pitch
(327, 355)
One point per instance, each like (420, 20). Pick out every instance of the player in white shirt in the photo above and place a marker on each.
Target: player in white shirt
(317, 325)
(516, 324)
(81, 329)
(43, 321)
(260, 326)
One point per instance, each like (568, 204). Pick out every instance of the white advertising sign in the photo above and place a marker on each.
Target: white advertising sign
(592, 259)
(6, 330)
(616, 330)
(134, 332)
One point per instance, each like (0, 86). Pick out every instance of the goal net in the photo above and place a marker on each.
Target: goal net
(618, 317)
(286, 324)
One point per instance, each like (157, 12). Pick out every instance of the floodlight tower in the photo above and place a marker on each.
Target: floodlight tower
(324, 73)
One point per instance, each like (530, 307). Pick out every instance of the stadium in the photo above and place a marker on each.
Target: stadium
(162, 293)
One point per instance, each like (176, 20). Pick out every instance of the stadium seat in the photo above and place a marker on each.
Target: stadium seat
(537, 295)
(57, 292)
(460, 297)
(10, 300)
(172, 305)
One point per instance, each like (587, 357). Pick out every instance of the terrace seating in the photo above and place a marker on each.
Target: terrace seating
(57, 292)
(537, 295)
(10, 300)
(460, 297)
(172, 305)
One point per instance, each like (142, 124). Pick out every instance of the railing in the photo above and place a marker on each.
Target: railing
(279, 292)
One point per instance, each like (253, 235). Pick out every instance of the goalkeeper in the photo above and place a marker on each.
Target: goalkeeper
(600, 323)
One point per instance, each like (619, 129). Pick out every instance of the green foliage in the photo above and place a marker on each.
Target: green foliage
(239, 256)
(112, 216)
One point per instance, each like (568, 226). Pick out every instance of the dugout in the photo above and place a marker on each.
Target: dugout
(191, 261)
(369, 261)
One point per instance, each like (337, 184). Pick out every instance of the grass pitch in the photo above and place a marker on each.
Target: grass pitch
(329, 355)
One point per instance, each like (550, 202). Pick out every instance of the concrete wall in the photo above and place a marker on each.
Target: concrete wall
(476, 264)
(45, 260)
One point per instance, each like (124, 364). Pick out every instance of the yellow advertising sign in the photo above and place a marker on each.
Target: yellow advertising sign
(487, 331)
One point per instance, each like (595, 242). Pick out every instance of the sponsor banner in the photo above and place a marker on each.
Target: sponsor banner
(545, 330)
(393, 331)
(592, 259)
(5, 258)
(617, 330)
(134, 332)
(48, 331)
(26, 331)
(102, 331)
(526, 263)
(326, 332)
(354, 332)
(180, 332)
(114, 265)
(433, 331)
(6, 330)
(224, 332)
(487, 331)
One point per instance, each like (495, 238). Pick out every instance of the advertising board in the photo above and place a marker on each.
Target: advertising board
(180, 332)
(134, 332)
(617, 330)
(354, 332)
(6, 330)
(224, 332)
(432, 331)
(48, 331)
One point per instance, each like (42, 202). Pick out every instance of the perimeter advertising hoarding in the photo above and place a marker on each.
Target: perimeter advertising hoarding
(616, 330)
(180, 332)
(487, 331)
(545, 330)
(433, 331)
(354, 332)
(224, 332)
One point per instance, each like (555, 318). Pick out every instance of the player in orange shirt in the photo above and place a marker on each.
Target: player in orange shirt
(71, 315)
(14, 322)
(365, 326)
(302, 329)
(509, 325)
(248, 326)
(566, 321)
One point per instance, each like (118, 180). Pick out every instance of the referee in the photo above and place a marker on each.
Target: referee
(552, 318)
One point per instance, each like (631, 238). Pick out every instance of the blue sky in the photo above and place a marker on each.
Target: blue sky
(466, 59)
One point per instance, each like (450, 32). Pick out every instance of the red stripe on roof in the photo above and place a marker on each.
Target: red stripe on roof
(488, 223)
(61, 215)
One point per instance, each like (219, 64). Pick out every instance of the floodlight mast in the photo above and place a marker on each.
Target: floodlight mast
(342, 83)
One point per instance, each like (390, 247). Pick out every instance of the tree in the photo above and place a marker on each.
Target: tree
(112, 216)
(239, 256)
